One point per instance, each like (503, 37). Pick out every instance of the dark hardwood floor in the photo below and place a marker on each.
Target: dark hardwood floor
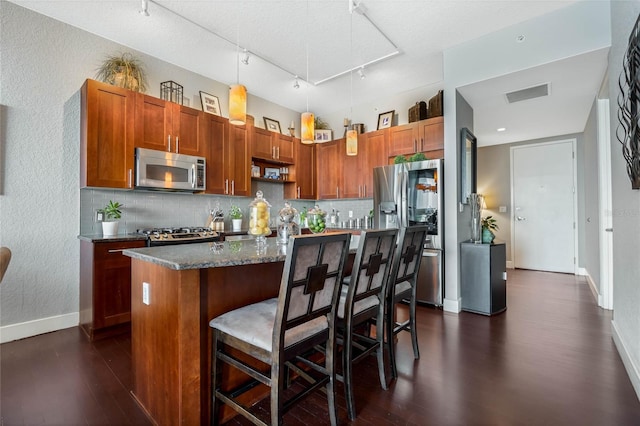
(548, 360)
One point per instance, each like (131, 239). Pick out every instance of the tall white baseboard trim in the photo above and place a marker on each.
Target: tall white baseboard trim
(22, 330)
(594, 290)
(450, 305)
(632, 369)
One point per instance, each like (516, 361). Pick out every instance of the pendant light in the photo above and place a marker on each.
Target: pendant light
(352, 135)
(237, 93)
(307, 125)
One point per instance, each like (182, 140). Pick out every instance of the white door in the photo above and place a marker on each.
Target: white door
(605, 300)
(544, 207)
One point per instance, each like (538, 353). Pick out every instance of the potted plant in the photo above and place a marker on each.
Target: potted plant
(236, 217)
(123, 70)
(111, 214)
(489, 224)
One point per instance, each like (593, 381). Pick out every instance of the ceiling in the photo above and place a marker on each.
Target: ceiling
(399, 42)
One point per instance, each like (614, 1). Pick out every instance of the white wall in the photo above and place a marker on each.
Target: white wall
(626, 210)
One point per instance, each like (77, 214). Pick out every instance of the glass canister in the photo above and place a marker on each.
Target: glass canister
(287, 227)
(316, 220)
(259, 218)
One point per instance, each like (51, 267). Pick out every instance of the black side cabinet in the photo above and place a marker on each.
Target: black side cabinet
(483, 278)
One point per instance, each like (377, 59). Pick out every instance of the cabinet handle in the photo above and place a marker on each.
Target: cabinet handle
(169, 142)
(226, 186)
(421, 144)
(337, 192)
(278, 152)
(273, 152)
(130, 179)
(298, 192)
(177, 142)
(233, 187)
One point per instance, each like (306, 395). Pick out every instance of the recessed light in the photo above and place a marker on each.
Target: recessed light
(520, 38)
(501, 129)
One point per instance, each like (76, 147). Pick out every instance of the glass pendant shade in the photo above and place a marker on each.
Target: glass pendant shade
(352, 142)
(237, 104)
(307, 132)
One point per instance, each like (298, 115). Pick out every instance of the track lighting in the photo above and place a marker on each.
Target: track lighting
(245, 58)
(361, 73)
(144, 8)
(296, 83)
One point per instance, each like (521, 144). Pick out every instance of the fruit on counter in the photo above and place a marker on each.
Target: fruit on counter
(316, 220)
(259, 216)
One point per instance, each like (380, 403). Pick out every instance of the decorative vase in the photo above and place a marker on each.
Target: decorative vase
(109, 229)
(236, 224)
(475, 200)
(487, 236)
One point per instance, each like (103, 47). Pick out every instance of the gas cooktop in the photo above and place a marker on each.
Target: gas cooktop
(178, 235)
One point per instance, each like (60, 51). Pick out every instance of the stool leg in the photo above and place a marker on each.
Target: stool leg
(414, 332)
(391, 337)
(216, 373)
(347, 365)
(330, 366)
(277, 385)
(380, 349)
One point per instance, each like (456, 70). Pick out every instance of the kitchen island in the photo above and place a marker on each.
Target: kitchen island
(175, 292)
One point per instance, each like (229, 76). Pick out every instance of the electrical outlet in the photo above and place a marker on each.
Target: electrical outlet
(99, 216)
(145, 293)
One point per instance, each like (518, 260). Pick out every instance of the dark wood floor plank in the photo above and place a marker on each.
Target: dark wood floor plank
(549, 359)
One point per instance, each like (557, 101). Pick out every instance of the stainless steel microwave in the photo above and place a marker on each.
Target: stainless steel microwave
(160, 170)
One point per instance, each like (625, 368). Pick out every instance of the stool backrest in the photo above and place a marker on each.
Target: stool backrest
(372, 265)
(311, 279)
(406, 261)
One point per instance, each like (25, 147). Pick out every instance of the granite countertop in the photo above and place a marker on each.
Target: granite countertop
(96, 238)
(215, 255)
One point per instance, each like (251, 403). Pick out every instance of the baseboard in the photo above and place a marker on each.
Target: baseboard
(451, 305)
(22, 330)
(632, 369)
(594, 290)
(509, 264)
(582, 272)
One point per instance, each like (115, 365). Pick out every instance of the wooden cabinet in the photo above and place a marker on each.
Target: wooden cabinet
(304, 173)
(422, 136)
(238, 161)
(167, 126)
(215, 131)
(329, 169)
(483, 278)
(105, 287)
(272, 146)
(107, 132)
(357, 175)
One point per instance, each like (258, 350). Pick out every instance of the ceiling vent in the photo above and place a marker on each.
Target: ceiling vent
(530, 93)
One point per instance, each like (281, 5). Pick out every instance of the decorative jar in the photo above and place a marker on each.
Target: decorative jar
(287, 226)
(316, 220)
(259, 218)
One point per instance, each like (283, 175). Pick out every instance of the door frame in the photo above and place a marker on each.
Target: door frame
(576, 261)
(605, 206)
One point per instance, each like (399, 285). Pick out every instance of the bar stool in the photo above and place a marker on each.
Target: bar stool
(402, 286)
(362, 301)
(283, 329)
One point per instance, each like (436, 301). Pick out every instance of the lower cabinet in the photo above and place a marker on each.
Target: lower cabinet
(483, 278)
(105, 287)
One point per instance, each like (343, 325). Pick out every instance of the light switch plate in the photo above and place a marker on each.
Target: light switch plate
(145, 293)
(502, 209)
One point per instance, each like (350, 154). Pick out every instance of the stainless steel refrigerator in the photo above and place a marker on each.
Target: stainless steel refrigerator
(409, 194)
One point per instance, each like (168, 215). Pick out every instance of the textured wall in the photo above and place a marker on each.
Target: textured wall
(43, 64)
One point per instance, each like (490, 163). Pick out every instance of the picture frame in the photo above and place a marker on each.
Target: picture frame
(323, 135)
(210, 103)
(272, 125)
(385, 119)
(468, 150)
(271, 173)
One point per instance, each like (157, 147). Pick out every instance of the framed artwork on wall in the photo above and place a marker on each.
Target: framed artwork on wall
(272, 125)
(385, 119)
(323, 135)
(210, 103)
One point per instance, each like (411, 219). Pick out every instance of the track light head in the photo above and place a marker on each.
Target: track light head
(245, 58)
(361, 73)
(144, 8)
(296, 83)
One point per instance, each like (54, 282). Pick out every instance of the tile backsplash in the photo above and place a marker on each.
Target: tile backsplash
(144, 209)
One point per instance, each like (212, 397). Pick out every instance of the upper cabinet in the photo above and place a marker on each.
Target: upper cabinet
(357, 177)
(215, 131)
(305, 175)
(328, 169)
(271, 146)
(107, 131)
(167, 126)
(238, 161)
(421, 136)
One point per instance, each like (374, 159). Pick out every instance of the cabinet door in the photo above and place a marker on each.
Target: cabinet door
(215, 135)
(305, 171)
(431, 134)
(261, 146)
(376, 149)
(403, 139)
(153, 123)
(239, 161)
(328, 169)
(107, 151)
(112, 284)
(352, 169)
(284, 148)
(186, 131)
